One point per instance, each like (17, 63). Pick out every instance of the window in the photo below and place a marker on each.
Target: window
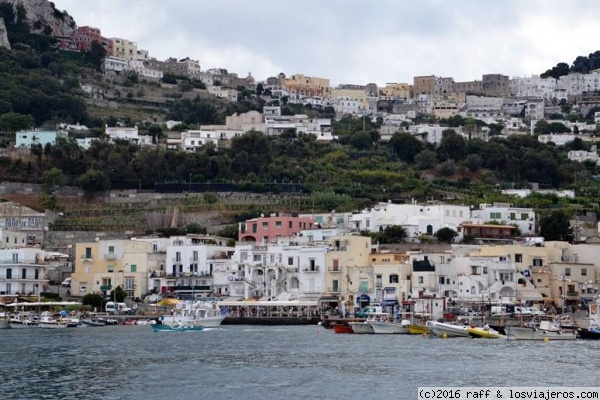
(265, 225)
(537, 262)
(195, 255)
(177, 256)
(133, 267)
(519, 258)
(485, 270)
(278, 224)
(254, 228)
(290, 224)
(524, 217)
(394, 278)
(364, 286)
(290, 260)
(474, 270)
(420, 279)
(111, 268)
(23, 273)
(111, 250)
(9, 273)
(36, 274)
(495, 215)
(502, 258)
(513, 216)
(336, 286)
(567, 271)
(442, 280)
(88, 252)
(583, 271)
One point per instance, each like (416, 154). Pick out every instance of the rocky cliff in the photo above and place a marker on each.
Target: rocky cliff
(44, 18)
(3, 36)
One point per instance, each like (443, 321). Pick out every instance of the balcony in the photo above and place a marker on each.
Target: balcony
(176, 260)
(334, 289)
(110, 256)
(87, 257)
(105, 288)
(311, 269)
(334, 269)
(194, 260)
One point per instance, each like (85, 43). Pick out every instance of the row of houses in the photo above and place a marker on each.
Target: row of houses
(345, 270)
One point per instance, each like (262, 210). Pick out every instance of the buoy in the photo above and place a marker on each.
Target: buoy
(424, 334)
(546, 339)
(444, 336)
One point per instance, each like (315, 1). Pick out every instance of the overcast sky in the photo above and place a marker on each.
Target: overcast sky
(351, 41)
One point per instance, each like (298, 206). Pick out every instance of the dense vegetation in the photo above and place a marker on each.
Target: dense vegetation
(581, 64)
(40, 85)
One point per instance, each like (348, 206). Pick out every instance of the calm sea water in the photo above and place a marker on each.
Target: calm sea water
(248, 362)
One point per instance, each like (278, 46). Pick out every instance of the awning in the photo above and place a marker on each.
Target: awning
(389, 302)
(363, 298)
(529, 295)
(329, 299)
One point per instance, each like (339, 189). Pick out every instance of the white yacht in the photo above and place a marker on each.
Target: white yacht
(540, 330)
(389, 326)
(49, 322)
(197, 313)
(365, 326)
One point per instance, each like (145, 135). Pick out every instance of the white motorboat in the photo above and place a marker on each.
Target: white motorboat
(544, 330)
(209, 315)
(23, 320)
(365, 326)
(390, 326)
(47, 321)
(443, 329)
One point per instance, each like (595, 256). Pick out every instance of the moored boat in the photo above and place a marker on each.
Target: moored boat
(484, 333)
(544, 330)
(342, 328)
(418, 329)
(47, 321)
(589, 333)
(444, 329)
(93, 322)
(390, 327)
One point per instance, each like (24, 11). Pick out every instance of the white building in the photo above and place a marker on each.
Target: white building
(417, 219)
(582, 155)
(115, 64)
(12, 239)
(22, 271)
(506, 214)
(128, 134)
(194, 140)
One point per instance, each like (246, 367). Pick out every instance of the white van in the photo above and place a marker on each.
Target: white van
(110, 307)
(117, 308)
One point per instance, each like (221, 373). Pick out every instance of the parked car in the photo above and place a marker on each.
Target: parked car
(66, 283)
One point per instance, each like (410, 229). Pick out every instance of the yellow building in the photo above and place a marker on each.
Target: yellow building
(392, 277)
(396, 90)
(349, 274)
(125, 49)
(103, 265)
(423, 85)
(357, 95)
(307, 85)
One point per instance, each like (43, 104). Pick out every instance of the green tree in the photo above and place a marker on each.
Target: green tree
(93, 300)
(391, 234)
(12, 122)
(52, 179)
(556, 226)
(119, 294)
(446, 235)
(210, 199)
(93, 182)
(406, 146)
(426, 159)
(156, 132)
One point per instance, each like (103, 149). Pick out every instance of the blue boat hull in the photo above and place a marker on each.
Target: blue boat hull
(169, 328)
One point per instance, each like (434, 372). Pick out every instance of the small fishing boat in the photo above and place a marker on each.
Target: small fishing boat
(342, 328)
(541, 330)
(93, 322)
(176, 328)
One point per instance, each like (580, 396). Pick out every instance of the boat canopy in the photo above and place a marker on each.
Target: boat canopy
(44, 303)
(292, 303)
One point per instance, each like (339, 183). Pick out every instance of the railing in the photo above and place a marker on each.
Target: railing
(194, 259)
(309, 269)
(110, 256)
(86, 258)
(176, 261)
(334, 289)
(334, 269)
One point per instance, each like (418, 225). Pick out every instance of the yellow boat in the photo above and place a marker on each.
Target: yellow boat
(485, 333)
(417, 329)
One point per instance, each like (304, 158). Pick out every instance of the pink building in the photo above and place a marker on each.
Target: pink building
(86, 35)
(268, 229)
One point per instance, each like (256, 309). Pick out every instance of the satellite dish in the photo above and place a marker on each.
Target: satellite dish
(97, 239)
